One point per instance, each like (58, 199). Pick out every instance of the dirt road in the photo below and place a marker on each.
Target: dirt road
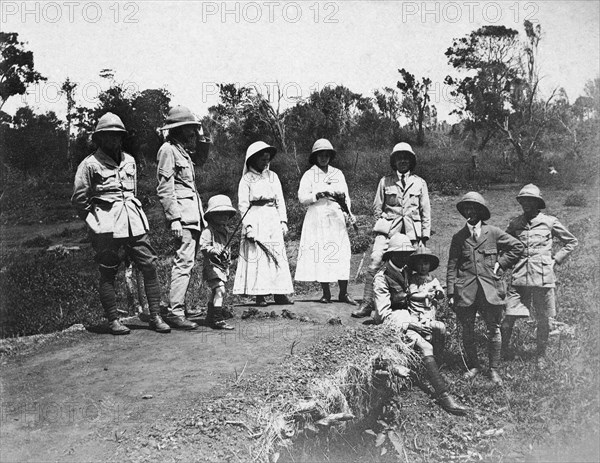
(75, 398)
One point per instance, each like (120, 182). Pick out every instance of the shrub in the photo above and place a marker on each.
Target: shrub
(48, 292)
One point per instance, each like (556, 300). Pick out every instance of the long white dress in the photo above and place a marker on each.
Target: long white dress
(324, 253)
(256, 273)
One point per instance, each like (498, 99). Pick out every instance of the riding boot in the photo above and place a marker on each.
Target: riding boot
(446, 401)
(106, 290)
(153, 295)
(215, 318)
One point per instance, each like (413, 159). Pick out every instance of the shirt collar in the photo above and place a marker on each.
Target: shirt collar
(106, 159)
(406, 175)
(476, 227)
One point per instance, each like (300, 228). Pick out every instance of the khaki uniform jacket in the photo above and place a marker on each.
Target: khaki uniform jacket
(176, 188)
(471, 264)
(104, 196)
(536, 265)
(409, 207)
(390, 287)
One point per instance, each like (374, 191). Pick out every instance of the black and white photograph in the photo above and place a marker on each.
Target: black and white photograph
(300, 231)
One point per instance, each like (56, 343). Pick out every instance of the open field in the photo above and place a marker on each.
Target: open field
(197, 385)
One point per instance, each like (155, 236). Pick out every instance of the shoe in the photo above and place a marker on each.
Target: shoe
(364, 310)
(471, 373)
(221, 325)
(325, 300)
(180, 323)
(347, 299)
(157, 324)
(117, 328)
(194, 313)
(495, 377)
(261, 302)
(448, 403)
(282, 299)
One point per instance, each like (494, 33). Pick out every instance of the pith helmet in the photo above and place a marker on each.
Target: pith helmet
(219, 203)
(178, 116)
(399, 243)
(403, 148)
(532, 191)
(322, 144)
(109, 122)
(424, 253)
(474, 198)
(257, 147)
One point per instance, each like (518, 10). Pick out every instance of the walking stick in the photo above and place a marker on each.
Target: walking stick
(236, 228)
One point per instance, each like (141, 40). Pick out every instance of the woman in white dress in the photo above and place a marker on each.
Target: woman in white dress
(261, 204)
(324, 254)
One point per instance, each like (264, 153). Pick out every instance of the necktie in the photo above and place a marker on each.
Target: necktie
(402, 181)
(475, 234)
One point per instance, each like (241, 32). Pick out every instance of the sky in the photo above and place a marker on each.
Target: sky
(188, 47)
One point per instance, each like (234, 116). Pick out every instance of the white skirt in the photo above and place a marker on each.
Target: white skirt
(325, 252)
(257, 274)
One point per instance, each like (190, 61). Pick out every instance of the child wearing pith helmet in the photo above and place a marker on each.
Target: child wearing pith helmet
(533, 279)
(424, 294)
(479, 254)
(392, 305)
(217, 259)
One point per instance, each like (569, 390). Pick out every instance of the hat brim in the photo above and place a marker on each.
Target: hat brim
(229, 210)
(541, 202)
(434, 261)
(271, 150)
(484, 212)
(121, 132)
(386, 255)
(312, 159)
(179, 124)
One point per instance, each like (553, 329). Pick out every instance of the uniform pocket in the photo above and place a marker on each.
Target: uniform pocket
(105, 179)
(183, 170)
(391, 196)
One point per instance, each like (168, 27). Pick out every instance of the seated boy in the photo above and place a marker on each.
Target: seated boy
(425, 292)
(391, 286)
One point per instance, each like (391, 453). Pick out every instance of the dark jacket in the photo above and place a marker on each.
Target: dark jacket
(471, 264)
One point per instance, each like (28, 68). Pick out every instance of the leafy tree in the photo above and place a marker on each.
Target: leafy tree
(16, 67)
(35, 143)
(261, 114)
(330, 113)
(388, 103)
(415, 102)
(226, 119)
(491, 59)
